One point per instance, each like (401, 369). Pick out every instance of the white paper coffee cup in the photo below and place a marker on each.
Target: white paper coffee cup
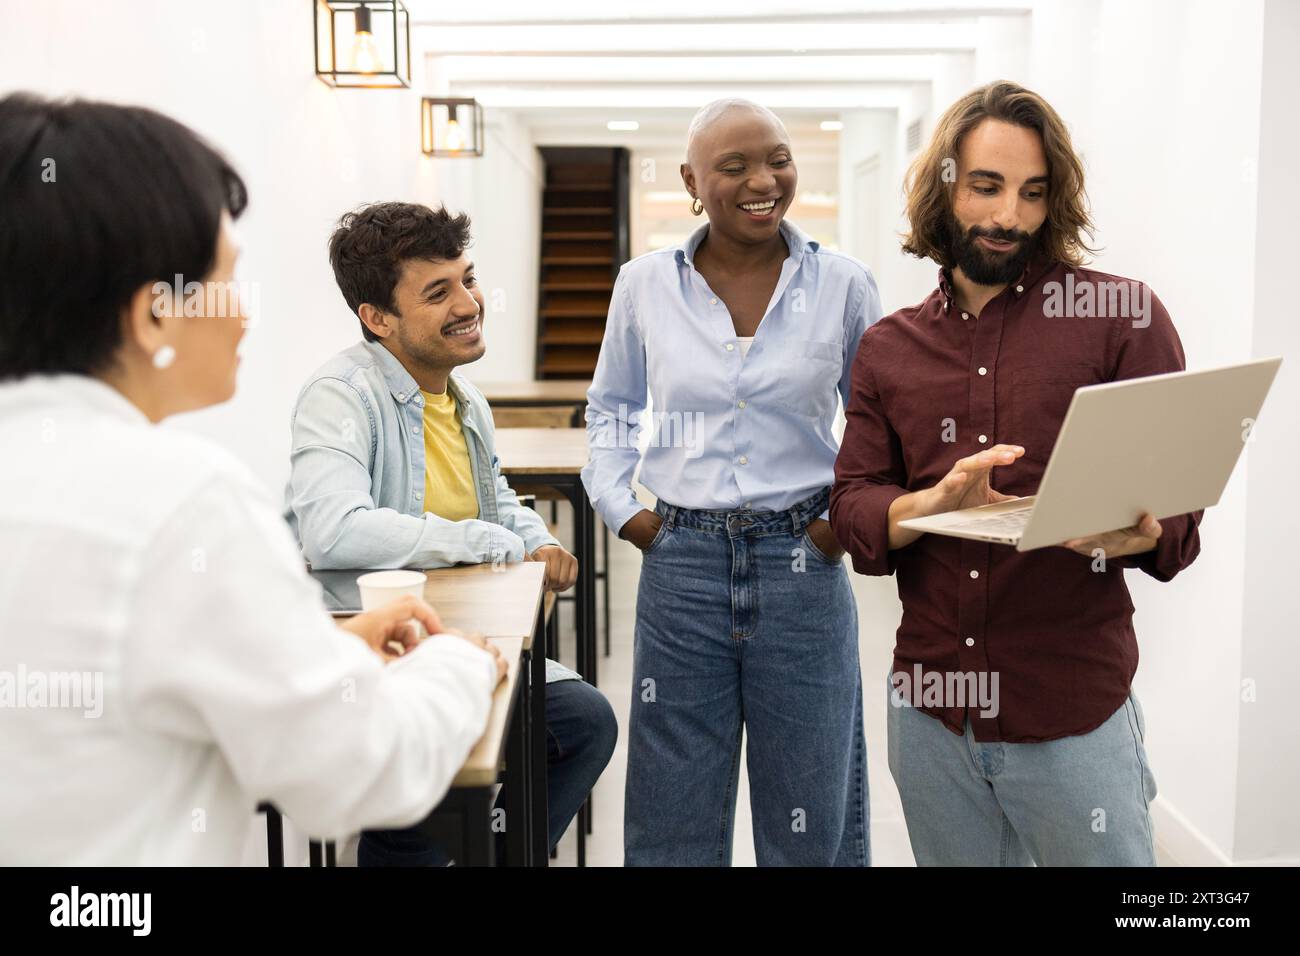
(381, 588)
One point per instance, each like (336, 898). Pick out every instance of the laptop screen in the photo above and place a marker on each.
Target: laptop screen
(342, 596)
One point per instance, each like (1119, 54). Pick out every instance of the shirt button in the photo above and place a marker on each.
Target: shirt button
(415, 429)
(730, 346)
(1020, 288)
(983, 370)
(740, 404)
(713, 302)
(965, 315)
(970, 642)
(983, 439)
(744, 460)
(974, 574)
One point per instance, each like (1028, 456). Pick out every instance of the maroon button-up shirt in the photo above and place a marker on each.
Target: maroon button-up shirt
(932, 385)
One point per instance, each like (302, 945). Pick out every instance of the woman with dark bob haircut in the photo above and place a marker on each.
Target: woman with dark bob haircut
(176, 661)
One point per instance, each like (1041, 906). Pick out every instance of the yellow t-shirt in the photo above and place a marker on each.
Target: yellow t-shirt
(448, 479)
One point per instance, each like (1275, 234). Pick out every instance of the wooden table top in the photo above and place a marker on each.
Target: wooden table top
(483, 764)
(500, 601)
(551, 390)
(531, 451)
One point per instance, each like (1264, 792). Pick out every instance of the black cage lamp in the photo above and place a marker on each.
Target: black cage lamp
(362, 45)
(451, 127)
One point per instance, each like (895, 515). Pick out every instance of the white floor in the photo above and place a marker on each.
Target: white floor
(878, 615)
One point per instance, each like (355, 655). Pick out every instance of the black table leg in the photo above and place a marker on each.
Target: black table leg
(514, 791)
(539, 828)
(274, 836)
(585, 533)
(604, 578)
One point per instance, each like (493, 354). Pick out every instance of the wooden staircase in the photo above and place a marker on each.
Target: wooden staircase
(584, 241)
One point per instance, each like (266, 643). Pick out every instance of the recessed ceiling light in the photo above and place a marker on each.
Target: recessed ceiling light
(831, 126)
(629, 125)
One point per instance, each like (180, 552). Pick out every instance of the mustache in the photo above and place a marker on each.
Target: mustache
(1000, 235)
(461, 321)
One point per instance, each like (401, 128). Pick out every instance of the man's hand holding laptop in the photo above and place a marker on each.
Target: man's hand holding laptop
(1136, 539)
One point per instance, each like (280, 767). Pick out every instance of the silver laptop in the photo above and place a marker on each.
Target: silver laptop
(1165, 444)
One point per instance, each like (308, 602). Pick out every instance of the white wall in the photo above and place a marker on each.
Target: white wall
(241, 73)
(502, 191)
(1268, 782)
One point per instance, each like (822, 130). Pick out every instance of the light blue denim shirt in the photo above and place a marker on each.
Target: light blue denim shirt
(355, 497)
(727, 431)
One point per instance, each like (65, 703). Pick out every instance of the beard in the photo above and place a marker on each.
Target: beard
(984, 266)
(434, 351)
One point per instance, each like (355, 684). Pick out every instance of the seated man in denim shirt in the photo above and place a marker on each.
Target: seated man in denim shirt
(394, 465)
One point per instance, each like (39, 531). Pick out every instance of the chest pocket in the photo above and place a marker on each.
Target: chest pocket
(809, 374)
(1040, 397)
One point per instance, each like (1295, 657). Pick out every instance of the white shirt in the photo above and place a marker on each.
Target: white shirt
(149, 561)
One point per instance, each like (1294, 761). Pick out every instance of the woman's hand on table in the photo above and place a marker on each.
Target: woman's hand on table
(389, 631)
(561, 567)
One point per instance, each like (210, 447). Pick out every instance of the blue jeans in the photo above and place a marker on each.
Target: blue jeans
(741, 622)
(580, 734)
(1074, 801)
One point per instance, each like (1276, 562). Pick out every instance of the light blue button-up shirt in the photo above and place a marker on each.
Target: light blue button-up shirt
(727, 430)
(355, 497)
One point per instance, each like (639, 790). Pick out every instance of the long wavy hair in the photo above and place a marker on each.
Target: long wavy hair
(929, 191)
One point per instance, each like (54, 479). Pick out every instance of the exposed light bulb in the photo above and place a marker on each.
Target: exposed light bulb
(365, 54)
(455, 136)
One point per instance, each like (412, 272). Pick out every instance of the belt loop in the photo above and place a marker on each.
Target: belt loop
(670, 516)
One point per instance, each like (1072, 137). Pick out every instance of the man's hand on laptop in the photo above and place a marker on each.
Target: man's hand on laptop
(561, 567)
(965, 486)
(1138, 539)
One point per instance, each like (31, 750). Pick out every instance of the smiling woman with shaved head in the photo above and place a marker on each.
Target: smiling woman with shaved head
(743, 337)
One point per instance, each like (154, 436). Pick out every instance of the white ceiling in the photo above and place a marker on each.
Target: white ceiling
(565, 69)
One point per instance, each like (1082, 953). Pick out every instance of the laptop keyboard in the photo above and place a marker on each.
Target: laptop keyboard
(1004, 523)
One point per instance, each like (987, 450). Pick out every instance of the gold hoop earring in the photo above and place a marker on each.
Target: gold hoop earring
(697, 207)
